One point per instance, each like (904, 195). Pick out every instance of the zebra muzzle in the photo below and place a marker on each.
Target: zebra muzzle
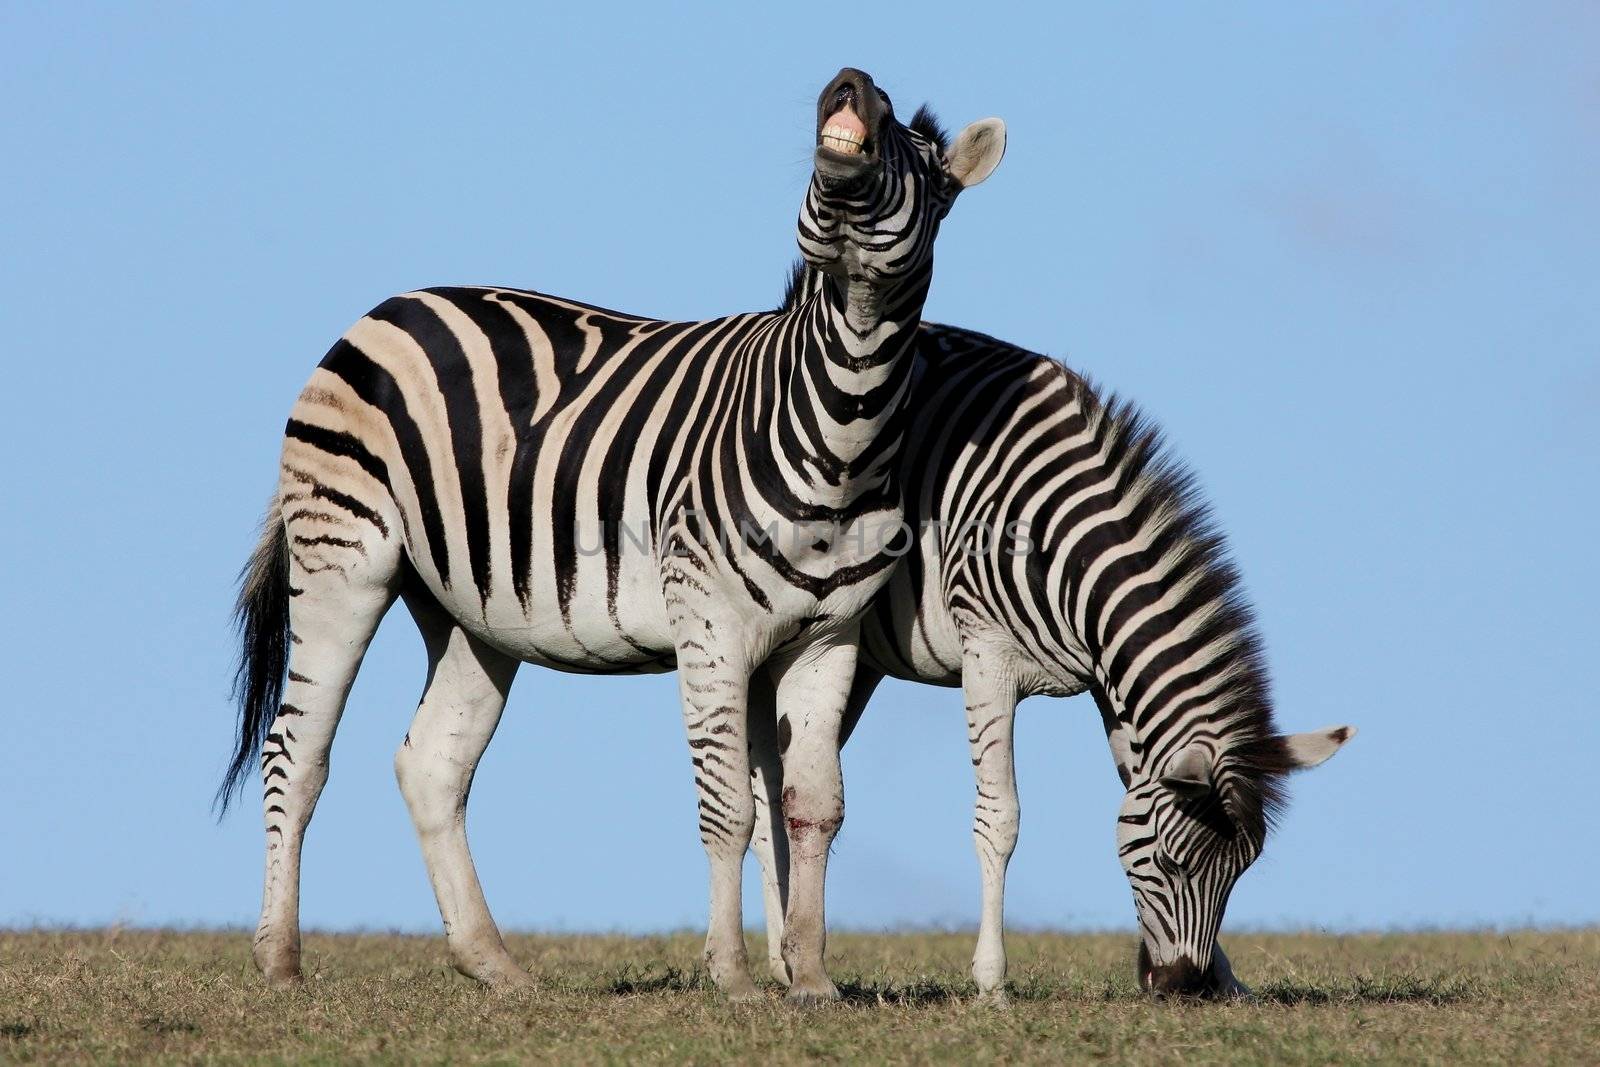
(849, 114)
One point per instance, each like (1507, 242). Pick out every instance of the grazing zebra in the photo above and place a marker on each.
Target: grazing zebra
(543, 481)
(1061, 550)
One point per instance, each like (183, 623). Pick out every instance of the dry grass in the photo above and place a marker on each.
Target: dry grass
(120, 997)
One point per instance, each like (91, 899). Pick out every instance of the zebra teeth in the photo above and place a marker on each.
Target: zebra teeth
(843, 140)
(843, 132)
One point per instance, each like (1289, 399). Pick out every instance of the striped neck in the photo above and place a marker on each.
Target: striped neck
(1145, 592)
(842, 385)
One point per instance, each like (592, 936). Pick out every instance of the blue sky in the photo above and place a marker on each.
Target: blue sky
(1347, 257)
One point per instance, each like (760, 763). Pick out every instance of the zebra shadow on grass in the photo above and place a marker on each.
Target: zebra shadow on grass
(632, 981)
(914, 993)
(1365, 989)
(636, 981)
(1434, 990)
(924, 990)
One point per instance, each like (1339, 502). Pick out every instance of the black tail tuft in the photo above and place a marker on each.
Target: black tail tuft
(262, 616)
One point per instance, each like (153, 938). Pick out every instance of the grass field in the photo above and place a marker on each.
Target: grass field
(121, 996)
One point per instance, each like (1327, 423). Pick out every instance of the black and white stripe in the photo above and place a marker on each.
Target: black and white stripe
(547, 481)
(1061, 550)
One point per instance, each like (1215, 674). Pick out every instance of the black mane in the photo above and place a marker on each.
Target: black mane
(927, 124)
(1255, 757)
(796, 284)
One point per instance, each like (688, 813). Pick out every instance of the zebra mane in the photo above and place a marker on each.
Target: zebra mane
(1254, 761)
(798, 285)
(927, 124)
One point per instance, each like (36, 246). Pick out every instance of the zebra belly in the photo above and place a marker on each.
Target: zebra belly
(585, 610)
(584, 637)
(902, 643)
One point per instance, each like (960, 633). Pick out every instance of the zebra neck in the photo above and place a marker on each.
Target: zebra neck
(867, 324)
(842, 397)
(1172, 663)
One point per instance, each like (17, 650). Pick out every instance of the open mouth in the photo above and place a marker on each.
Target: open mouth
(849, 115)
(844, 133)
(844, 136)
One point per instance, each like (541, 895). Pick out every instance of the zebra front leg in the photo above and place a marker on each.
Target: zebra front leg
(769, 841)
(812, 693)
(465, 695)
(334, 610)
(714, 696)
(991, 697)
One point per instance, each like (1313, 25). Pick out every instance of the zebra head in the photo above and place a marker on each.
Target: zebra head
(1186, 834)
(880, 188)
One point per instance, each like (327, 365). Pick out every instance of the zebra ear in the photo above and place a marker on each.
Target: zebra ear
(1309, 749)
(976, 152)
(1188, 774)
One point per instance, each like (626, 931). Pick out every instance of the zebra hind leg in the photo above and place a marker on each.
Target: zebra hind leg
(466, 693)
(339, 589)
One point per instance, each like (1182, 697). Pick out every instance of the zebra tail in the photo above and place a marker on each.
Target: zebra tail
(262, 618)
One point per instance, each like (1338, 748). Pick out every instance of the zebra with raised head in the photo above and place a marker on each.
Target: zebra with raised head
(1061, 550)
(544, 481)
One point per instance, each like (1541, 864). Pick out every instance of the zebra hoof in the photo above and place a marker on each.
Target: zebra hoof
(780, 972)
(744, 994)
(732, 978)
(494, 973)
(811, 994)
(995, 998)
(737, 987)
(515, 978)
(278, 964)
(284, 979)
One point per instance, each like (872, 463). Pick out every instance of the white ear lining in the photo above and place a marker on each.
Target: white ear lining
(1307, 750)
(976, 152)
